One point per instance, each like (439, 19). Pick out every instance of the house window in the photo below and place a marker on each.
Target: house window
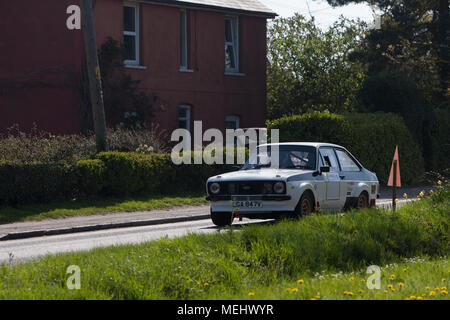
(183, 40)
(131, 33)
(231, 44)
(232, 122)
(184, 117)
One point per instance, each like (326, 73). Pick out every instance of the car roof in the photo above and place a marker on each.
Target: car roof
(310, 144)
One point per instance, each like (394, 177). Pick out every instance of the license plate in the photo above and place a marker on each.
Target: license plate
(247, 204)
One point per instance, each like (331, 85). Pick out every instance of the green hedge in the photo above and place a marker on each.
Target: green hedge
(108, 174)
(440, 134)
(369, 137)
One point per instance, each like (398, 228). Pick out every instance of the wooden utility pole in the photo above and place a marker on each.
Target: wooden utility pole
(93, 69)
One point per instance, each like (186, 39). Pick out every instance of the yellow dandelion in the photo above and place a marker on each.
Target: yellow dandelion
(251, 293)
(401, 284)
(432, 293)
(404, 269)
(421, 193)
(396, 200)
(412, 297)
(436, 289)
(206, 284)
(427, 288)
(300, 281)
(444, 292)
(419, 298)
(363, 280)
(385, 291)
(443, 279)
(350, 293)
(294, 290)
(439, 182)
(444, 288)
(351, 279)
(424, 294)
(392, 277)
(405, 196)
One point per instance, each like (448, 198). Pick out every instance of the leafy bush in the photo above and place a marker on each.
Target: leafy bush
(36, 183)
(43, 147)
(369, 137)
(108, 174)
(441, 139)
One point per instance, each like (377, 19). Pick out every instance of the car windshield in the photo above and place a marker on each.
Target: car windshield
(290, 157)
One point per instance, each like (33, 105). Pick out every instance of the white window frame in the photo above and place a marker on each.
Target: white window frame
(187, 118)
(234, 23)
(184, 63)
(135, 34)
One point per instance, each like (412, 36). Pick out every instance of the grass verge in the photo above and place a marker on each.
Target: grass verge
(66, 209)
(262, 261)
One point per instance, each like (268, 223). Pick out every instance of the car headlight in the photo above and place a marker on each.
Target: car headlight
(279, 187)
(214, 188)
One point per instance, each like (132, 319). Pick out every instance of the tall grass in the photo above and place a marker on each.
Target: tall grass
(265, 257)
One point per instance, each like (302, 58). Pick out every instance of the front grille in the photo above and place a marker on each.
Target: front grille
(245, 188)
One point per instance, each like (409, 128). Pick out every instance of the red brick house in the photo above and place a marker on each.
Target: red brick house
(176, 49)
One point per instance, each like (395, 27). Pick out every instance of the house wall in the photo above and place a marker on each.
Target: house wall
(46, 42)
(40, 62)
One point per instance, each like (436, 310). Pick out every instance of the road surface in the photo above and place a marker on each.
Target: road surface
(13, 251)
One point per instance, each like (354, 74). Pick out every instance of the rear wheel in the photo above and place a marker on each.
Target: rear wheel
(363, 201)
(221, 219)
(305, 205)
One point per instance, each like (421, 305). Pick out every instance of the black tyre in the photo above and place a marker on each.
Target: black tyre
(221, 219)
(305, 206)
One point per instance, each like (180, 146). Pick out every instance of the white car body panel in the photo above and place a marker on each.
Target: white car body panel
(332, 191)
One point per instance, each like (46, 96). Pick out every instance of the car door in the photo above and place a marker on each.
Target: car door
(332, 180)
(350, 173)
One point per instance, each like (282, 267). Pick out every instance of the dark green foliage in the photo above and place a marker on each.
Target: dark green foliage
(109, 174)
(371, 138)
(36, 182)
(121, 93)
(441, 139)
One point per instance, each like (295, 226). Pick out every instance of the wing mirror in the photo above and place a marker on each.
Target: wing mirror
(322, 170)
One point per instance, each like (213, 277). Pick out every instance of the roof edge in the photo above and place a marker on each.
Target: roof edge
(176, 3)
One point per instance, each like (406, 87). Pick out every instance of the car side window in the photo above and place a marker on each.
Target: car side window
(329, 158)
(347, 163)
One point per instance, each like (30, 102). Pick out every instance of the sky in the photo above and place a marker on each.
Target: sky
(324, 14)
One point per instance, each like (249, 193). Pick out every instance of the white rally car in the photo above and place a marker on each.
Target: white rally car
(307, 177)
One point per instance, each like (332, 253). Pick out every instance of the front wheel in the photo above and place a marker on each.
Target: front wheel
(305, 205)
(363, 201)
(221, 219)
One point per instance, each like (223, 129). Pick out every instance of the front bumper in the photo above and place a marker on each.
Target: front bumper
(282, 197)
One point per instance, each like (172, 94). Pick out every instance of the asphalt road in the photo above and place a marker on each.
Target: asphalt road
(14, 251)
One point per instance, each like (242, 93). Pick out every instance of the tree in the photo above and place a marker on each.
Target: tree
(308, 69)
(125, 103)
(413, 40)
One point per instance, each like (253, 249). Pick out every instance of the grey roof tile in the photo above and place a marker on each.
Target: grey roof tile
(249, 6)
